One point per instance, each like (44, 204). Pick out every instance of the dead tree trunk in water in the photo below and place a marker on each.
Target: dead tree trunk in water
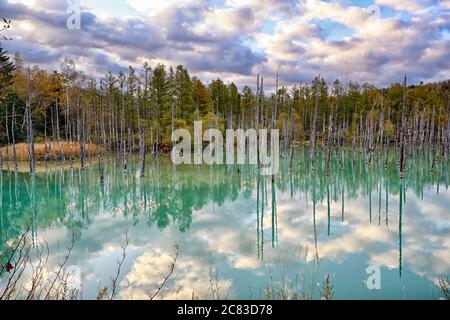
(330, 126)
(386, 160)
(324, 128)
(141, 136)
(122, 143)
(46, 150)
(448, 127)
(421, 128)
(13, 126)
(314, 121)
(431, 133)
(431, 139)
(274, 206)
(99, 150)
(381, 125)
(29, 124)
(7, 138)
(30, 136)
(257, 118)
(142, 149)
(402, 133)
(80, 125)
(275, 109)
(58, 134)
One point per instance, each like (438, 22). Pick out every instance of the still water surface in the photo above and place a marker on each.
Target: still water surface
(242, 235)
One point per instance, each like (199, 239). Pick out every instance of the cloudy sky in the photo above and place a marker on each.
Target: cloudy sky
(374, 41)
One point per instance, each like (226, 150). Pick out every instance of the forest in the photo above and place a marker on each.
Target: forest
(64, 114)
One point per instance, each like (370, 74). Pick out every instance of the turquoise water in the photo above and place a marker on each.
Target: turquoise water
(242, 235)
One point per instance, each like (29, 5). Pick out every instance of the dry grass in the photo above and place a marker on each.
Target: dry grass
(49, 151)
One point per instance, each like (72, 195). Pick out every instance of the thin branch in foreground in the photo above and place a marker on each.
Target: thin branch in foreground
(19, 243)
(214, 283)
(327, 289)
(60, 272)
(444, 285)
(119, 267)
(167, 276)
(37, 277)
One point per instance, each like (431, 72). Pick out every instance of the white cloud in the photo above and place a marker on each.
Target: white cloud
(404, 5)
(155, 7)
(236, 39)
(348, 16)
(189, 278)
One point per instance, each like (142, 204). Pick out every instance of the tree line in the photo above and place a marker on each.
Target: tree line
(137, 110)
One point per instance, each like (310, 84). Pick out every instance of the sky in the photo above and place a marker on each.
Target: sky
(374, 41)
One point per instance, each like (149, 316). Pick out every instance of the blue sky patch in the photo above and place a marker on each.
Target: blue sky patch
(333, 30)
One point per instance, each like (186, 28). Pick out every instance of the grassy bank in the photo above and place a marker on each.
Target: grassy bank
(48, 151)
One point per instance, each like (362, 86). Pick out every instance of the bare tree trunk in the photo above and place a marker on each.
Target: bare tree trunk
(431, 134)
(257, 118)
(324, 126)
(142, 149)
(313, 130)
(111, 125)
(361, 132)
(13, 136)
(141, 138)
(431, 139)
(381, 125)
(122, 147)
(421, 129)
(416, 127)
(52, 120)
(402, 133)
(7, 137)
(80, 125)
(386, 160)
(30, 136)
(102, 118)
(67, 113)
(58, 134)
(116, 133)
(101, 150)
(330, 126)
(217, 111)
(45, 137)
(448, 127)
(72, 148)
(173, 120)
(274, 122)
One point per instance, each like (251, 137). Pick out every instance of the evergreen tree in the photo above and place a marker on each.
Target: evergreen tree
(6, 71)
